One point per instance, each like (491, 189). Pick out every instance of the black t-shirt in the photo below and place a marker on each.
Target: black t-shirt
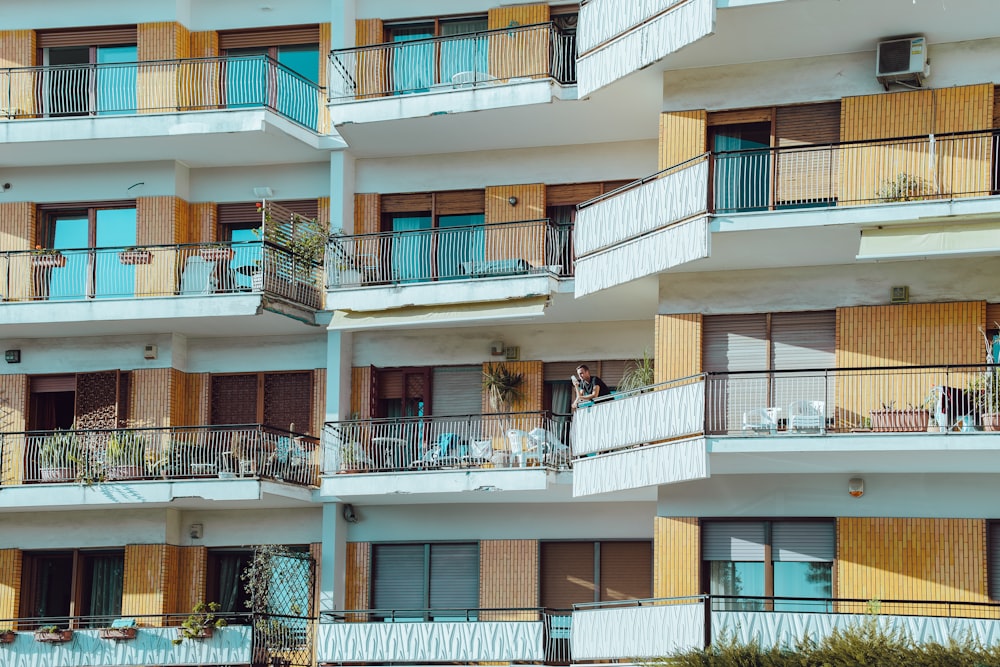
(588, 387)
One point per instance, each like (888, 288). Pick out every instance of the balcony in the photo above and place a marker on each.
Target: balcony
(448, 265)
(518, 451)
(758, 197)
(616, 40)
(469, 72)
(443, 636)
(658, 627)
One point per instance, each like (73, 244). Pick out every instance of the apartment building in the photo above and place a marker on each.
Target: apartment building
(317, 274)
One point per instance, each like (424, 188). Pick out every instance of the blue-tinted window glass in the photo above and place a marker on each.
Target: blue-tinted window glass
(72, 235)
(803, 580)
(461, 240)
(411, 249)
(737, 578)
(413, 64)
(246, 255)
(116, 230)
(297, 99)
(116, 79)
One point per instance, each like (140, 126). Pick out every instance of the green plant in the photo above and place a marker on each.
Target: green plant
(502, 387)
(903, 188)
(125, 448)
(200, 622)
(49, 628)
(60, 449)
(639, 374)
(40, 251)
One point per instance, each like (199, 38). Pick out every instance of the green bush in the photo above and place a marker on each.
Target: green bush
(863, 645)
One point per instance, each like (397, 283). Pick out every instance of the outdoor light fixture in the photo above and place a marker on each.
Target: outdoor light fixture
(12, 356)
(856, 487)
(512, 200)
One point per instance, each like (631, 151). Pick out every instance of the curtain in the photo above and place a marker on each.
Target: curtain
(107, 576)
(230, 570)
(413, 64)
(461, 239)
(411, 249)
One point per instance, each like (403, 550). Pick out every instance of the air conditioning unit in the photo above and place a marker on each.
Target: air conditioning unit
(902, 60)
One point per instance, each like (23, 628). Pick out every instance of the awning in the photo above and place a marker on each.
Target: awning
(346, 320)
(915, 242)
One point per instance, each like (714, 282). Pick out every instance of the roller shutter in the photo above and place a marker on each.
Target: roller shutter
(803, 541)
(994, 560)
(398, 576)
(288, 400)
(803, 340)
(735, 343)
(567, 574)
(105, 36)
(737, 541)
(454, 582)
(458, 390)
(283, 36)
(626, 570)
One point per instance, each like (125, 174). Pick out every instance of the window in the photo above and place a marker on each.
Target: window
(422, 62)
(225, 583)
(239, 223)
(57, 585)
(752, 559)
(88, 400)
(89, 238)
(403, 392)
(278, 400)
(90, 71)
(577, 572)
(410, 578)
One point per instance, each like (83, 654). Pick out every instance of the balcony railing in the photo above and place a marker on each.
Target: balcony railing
(161, 86)
(507, 440)
(455, 62)
(180, 452)
(935, 399)
(449, 253)
(383, 636)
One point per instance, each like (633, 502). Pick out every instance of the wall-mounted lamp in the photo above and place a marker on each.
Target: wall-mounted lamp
(496, 348)
(196, 530)
(14, 356)
(856, 487)
(350, 516)
(263, 192)
(512, 200)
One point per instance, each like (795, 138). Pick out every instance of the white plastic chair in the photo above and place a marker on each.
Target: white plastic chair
(553, 451)
(523, 448)
(761, 420)
(198, 276)
(807, 416)
(480, 452)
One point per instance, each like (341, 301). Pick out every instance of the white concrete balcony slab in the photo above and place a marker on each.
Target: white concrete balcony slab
(440, 641)
(618, 39)
(231, 645)
(648, 631)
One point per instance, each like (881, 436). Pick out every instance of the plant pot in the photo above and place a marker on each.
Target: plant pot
(991, 421)
(49, 260)
(57, 637)
(216, 254)
(117, 633)
(8, 637)
(133, 257)
(127, 471)
(58, 474)
(204, 633)
(912, 420)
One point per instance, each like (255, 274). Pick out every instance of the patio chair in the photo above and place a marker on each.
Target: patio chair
(553, 451)
(955, 409)
(523, 448)
(198, 276)
(761, 420)
(480, 453)
(807, 416)
(430, 459)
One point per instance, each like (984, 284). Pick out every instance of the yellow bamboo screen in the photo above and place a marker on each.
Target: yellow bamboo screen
(357, 578)
(361, 382)
(190, 586)
(157, 85)
(318, 405)
(683, 135)
(13, 419)
(203, 88)
(517, 242)
(10, 583)
(961, 168)
(323, 209)
(189, 398)
(202, 223)
(371, 74)
(149, 573)
(508, 578)
(152, 393)
(160, 221)
(17, 232)
(676, 556)
(912, 559)
(323, 126)
(902, 335)
(678, 346)
(367, 220)
(518, 54)
(18, 49)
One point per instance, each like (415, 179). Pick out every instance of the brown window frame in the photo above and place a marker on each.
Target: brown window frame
(78, 594)
(306, 429)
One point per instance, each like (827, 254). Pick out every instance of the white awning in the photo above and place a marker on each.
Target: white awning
(345, 320)
(914, 242)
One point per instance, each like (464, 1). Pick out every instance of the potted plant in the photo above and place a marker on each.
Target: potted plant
(200, 623)
(7, 636)
(502, 387)
(133, 256)
(52, 634)
(125, 455)
(639, 375)
(216, 252)
(909, 420)
(47, 258)
(119, 630)
(59, 456)
(903, 188)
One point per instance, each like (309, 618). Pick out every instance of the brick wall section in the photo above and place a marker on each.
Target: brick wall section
(192, 567)
(361, 382)
(152, 395)
(520, 54)
(13, 419)
(677, 346)
(371, 76)
(161, 221)
(202, 226)
(683, 135)
(204, 91)
(323, 126)
(10, 583)
(357, 578)
(18, 232)
(508, 578)
(911, 559)
(157, 86)
(18, 49)
(516, 242)
(676, 556)
(150, 572)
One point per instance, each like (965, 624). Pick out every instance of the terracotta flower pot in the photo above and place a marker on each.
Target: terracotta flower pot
(49, 260)
(117, 633)
(134, 257)
(911, 420)
(991, 421)
(216, 254)
(57, 637)
(8, 637)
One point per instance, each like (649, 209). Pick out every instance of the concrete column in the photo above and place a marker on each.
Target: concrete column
(334, 558)
(342, 191)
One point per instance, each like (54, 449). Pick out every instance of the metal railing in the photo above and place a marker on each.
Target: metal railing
(446, 253)
(936, 399)
(187, 84)
(454, 62)
(30, 623)
(507, 440)
(178, 452)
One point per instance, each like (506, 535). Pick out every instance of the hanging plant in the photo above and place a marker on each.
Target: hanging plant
(502, 387)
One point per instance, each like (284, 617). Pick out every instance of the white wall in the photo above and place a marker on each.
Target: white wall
(17, 15)
(550, 165)
(820, 495)
(228, 14)
(512, 521)
(816, 288)
(80, 355)
(243, 354)
(565, 342)
(236, 184)
(818, 79)
(92, 182)
(230, 528)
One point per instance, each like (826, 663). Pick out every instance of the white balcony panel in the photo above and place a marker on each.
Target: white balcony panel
(603, 20)
(669, 413)
(407, 643)
(644, 256)
(637, 632)
(651, 206)
(152, 646)
(770, 628)
(666, 463)
(652, 41)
